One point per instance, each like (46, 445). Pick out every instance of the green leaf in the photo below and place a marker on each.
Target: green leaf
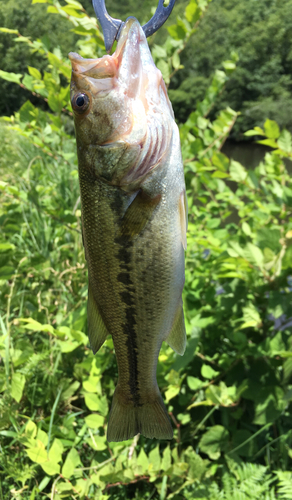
(103, 406)
(171, 392)
(219, 175)
(251, 133)
(228, 65)
(221, 394)
(284, 142)
(54, 103)
(37, 454)
(287, 370)
(17, 386)
(56, 450)
(214, 441)
(220, 161)
(271, 128)
(164, 68)
(166, 459)
(269, 142)
(52, 10)
(177, 32)
(194, 383)
(197, 464)
(94, 421)
(97, 443)
(270, 409)
(208, 372)
(76, 4)
(91, 384)
(68, 393)
(91, 401)
(251, 317)
(6, 272)
(26, 112)
(10, 77)
(30, 429)
(176, 60)
(246, 228)
(50, 468)
(72, 12)
(34, 72)
(259, 130)
(36, 326)
(154, 459)
(95, 403)
(269, 238)
(4, 247)
(192, 12)
(42, 436)
(71, 463)
(8, 30)
(28, 82)
(159, 52)
(254, 254)
(237, 171)
(143, 460)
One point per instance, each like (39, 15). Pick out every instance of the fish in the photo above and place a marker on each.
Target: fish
(134, 223)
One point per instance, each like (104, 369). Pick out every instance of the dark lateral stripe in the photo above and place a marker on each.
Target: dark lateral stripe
(127, 297)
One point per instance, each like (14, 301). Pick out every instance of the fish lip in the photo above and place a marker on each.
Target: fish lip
(131, 23)
(100, 68)
(107, 66)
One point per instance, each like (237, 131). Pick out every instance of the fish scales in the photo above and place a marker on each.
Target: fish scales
(133, 222)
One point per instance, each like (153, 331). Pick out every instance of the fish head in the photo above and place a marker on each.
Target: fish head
(121, 98)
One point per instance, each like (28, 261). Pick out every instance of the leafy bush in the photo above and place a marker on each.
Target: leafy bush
(260, 32)
(230, 395)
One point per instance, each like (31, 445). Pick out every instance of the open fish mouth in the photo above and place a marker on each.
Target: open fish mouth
(125, 64)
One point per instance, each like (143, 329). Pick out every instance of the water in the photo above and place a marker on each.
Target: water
(249, 154)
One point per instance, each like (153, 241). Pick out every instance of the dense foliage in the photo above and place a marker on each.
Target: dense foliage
(260, 33)
(230, 395)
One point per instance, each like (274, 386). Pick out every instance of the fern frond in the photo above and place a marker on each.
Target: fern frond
(269, 495)
(284, 487)
(251, 473)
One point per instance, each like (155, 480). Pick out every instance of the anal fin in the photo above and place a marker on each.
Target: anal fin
(97, 331)
(177, 338)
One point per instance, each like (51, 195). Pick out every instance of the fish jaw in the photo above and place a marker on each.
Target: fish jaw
(127, 103)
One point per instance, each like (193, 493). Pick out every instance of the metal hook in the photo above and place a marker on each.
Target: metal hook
(111, 27)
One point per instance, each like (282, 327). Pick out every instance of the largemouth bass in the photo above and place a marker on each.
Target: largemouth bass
(133, 223)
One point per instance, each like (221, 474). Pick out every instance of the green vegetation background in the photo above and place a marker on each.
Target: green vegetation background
(230, 395)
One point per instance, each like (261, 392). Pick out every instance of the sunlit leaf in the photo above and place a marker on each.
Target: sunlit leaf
(17, 385)
(10, 77)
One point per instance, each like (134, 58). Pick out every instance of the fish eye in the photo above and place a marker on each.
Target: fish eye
(80, 102)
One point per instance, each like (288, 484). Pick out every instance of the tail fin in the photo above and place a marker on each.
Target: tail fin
(151, 420)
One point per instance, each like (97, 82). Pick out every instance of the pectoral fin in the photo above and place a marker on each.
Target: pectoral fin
(138, 214)
(177, 337)
(97, 331)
